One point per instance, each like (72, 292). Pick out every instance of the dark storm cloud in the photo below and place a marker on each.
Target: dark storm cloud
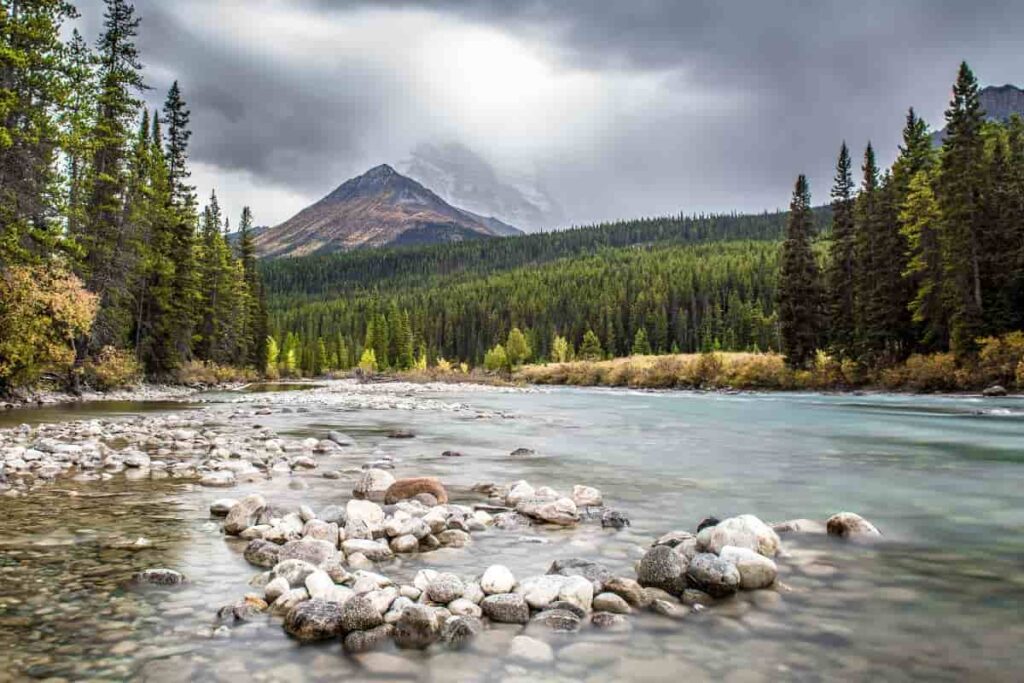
(792, 80)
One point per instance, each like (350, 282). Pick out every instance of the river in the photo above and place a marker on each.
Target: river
(939, 597)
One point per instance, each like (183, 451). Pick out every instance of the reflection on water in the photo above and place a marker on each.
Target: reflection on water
(939, 599)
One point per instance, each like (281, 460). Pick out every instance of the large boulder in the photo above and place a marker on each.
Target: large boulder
(373, 481)
(262, 553)
(713, 575)
(319, 553)
(244, 514)
(850, 524)
(561, 511)
(417, 627)
(314, 620)
(404, 489)
(507, 608)
(744, 531)
(661, 567)
(756, 570)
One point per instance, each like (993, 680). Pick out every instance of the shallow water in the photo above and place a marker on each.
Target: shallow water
(938, 599)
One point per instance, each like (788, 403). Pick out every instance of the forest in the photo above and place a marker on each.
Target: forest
(922, 263)
(108, 267)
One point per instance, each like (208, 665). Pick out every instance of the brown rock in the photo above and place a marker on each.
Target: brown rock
(409, 488)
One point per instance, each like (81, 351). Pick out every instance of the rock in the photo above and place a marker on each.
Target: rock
(610, 621)
(159, 577)
(451, 454)
(276, 588)
(799, 526)
(136, 459)
(365, 511)
(497, 579)
(459, 630)
(993, 391)
(674, 538)
(340, 439)
(262, 553)
(517, 492)
(706, 523)
(244, 514)
(293, 571)
(371, 550)
(661, 567)
(464, 607)
(692, 597)
(847, 524)
(713, 575)
(404, 489)
(322, 531)
(314, 620)
(218, 478)
(373, 481)
(453, 538)
(444, 588)
(629, 590)
(321, 587)
(244, 610)
(423, 578)
(311, 550)
(561, 511)
(744, 531)
(370, 639)
(416, 628)
(507, 608)
(613, 519)
(539, 591)
(578, 591)
(560, 620)
(596, 573)
(289, 599)
(586, 495)
(333, 514)
(610, 602)
(530, 650)
(401, 434)
(522, 452)
(221, 506)
(756, 570)
(405, 544)
(425, 499)
(473, 592)
(359, 614)
(672, 610)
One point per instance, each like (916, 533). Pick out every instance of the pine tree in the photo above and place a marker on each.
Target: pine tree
(840, 273)
(641, 347)
(110, 243)
(959, 189)
(32, 87)
(591, 349)
(402, 336)
(799, 286)
(77, 121)
(920, 218)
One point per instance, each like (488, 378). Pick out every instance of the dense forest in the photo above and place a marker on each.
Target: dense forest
(923, 258)
(108, 268)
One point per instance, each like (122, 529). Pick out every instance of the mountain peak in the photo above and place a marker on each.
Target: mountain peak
(378, 208)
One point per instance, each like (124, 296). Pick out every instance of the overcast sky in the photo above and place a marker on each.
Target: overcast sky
(623, 108)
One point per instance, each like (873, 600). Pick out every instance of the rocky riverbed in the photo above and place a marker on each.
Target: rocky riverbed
(399, 532)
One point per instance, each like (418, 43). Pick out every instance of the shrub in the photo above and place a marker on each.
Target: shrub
(999, 358)
(758, 371)
(368, 361)
(934, 372)
(663, 373)
(113, 368)
(207, 374)
(496, 360)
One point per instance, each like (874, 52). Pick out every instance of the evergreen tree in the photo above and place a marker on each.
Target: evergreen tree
(840, 273)
(559, 349)
(641, 347)
(403, 340)
(920, 219)
(110, 241)
(799, 286)
(959, 184)
(517, 348)
(77, 122)
(591, 349)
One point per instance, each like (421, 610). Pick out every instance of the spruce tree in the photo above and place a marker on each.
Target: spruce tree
(641, 347)
(799, 287)
(840, 273)
(591, 349)
(959, 186)
(920, 218)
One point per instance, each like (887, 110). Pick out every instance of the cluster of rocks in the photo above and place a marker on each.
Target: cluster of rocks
(166, 446)
(518, 504)
(359, 533)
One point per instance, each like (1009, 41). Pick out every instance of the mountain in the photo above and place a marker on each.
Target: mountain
(379, 208)
(465, 179)
(999, 102)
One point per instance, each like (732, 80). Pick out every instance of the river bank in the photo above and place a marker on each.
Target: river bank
(149, 490)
